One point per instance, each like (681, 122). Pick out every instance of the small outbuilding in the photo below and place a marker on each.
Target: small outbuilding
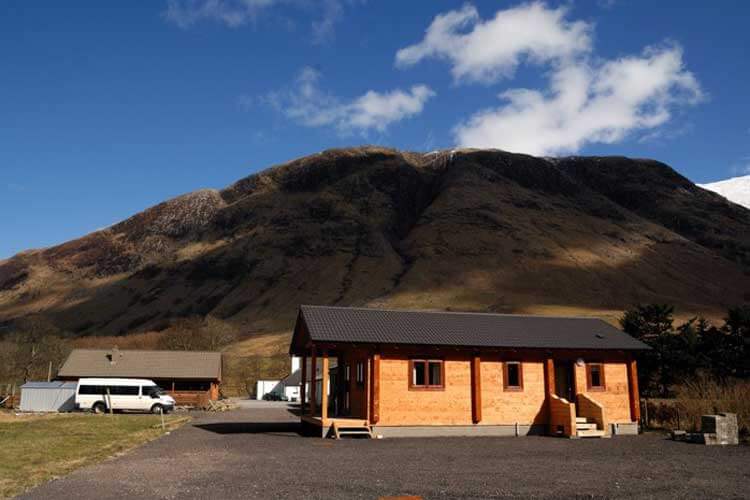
(265, 386)
(292, 384)
(191, 377)
(48, 396)
(289, 386)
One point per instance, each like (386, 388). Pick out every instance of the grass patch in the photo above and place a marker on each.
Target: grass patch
(35, 449)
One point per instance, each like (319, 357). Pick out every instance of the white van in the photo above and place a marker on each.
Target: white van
(133, 394)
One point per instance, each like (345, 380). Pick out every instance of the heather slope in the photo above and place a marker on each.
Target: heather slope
(470, 230)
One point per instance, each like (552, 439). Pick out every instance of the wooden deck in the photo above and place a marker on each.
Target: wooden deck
(328, 421)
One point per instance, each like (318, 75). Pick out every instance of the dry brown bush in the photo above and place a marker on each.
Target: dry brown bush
(702, 396)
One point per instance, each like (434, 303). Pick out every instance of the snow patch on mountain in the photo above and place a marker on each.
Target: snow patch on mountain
(736, 189)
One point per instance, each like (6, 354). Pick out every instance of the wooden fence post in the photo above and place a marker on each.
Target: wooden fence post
(109, 402)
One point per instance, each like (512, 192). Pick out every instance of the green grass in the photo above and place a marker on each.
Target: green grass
(34, 449)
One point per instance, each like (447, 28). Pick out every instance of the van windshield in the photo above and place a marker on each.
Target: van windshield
(153, 390)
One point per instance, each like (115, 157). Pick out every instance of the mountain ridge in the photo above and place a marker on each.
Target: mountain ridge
(481, 230)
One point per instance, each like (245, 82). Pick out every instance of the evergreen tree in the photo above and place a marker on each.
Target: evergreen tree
(648, 321)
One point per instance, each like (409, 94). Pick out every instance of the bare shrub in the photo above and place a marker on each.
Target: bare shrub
(702, 396)
(35, 350)
(198, 334)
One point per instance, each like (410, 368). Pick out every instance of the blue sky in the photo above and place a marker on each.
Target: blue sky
(106, 110)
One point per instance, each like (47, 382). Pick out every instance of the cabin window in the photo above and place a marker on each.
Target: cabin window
(360, 372)
(595, 376)
(347, 373)
(426, 374)
(513, 376)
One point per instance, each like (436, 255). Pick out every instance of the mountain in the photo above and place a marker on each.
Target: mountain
(736, 189)
(478, 230)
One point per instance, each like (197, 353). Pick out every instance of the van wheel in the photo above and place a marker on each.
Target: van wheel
(99, 407)
(156, 409)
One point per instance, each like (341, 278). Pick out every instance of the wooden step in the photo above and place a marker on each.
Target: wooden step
(582, 420)
(590, 434)
(341, 430)
(586, 427)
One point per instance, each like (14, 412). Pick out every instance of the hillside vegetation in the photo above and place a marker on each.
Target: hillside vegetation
(474, 230)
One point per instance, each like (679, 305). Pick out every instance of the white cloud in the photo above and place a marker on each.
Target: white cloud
(233, 13)
(486, 51)
(587, 100)
(322, 29)
(308, 105)
(236, 13)
(586, 103)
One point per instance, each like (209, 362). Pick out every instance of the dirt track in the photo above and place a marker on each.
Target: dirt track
(256, 453)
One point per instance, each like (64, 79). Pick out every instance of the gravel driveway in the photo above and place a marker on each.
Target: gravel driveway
(255, 452)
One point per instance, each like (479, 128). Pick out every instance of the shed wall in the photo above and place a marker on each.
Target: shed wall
(48, 399)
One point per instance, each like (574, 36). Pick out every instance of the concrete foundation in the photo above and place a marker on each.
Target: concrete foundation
(624, 429)
(460, 430)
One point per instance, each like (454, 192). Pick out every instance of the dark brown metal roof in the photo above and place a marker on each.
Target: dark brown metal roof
(382, 326)
(142, 364)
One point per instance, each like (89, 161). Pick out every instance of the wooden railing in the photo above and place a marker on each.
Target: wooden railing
(562, 416)
(594, 411)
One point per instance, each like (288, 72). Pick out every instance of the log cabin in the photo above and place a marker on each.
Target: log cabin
(419, 373)
(190, 377)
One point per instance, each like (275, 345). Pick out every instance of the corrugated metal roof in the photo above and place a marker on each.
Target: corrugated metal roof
(142, 364)
(48, 385)
(382, 326)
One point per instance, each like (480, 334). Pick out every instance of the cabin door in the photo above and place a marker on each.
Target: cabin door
(565, 380)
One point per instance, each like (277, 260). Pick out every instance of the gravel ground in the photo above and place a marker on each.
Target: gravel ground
(256, 453)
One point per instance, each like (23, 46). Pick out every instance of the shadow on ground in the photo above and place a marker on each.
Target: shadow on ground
(284, 428)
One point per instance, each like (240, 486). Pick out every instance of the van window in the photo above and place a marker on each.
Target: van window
(92, 389)
(114, 390)
(148, 390)
(124, 390)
